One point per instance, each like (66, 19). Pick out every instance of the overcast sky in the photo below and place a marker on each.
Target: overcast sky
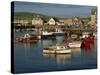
(58, 10)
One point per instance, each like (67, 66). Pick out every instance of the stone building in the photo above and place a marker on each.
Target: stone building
(76, 21)
(93, 17)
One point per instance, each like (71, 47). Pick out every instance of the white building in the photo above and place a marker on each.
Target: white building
(37, 21)
(52, 21)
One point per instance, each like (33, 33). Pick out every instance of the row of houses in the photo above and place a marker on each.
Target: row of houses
(52, 21)
(40, 21)
(76, 20)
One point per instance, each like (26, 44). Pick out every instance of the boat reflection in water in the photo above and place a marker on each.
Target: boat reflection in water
(64, 58)
(27, 49)
(29, 57)
(27, 45)
(59, 58)
(76, 51)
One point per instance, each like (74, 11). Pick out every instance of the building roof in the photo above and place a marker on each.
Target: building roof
(57, 20)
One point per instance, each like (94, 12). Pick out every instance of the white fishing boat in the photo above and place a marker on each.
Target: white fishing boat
(46, 35)
(75, 44)
(58, 32)
(57, 49)
(60, 58)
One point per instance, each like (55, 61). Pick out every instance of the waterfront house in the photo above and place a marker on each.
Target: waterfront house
(52, 21)
(61, 22)
(37, 21)
(55, 21)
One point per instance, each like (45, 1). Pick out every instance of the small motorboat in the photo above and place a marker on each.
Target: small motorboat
(57, 49)
(26, 39)
(75, 44)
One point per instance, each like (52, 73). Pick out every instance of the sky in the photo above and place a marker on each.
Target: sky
(57, 10)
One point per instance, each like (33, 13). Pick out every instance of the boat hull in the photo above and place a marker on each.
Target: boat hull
(57, 51)
(26, 40)
(47, 37)
(75, 45)
(59, 34)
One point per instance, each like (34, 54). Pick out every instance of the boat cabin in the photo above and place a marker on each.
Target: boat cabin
(61, 47)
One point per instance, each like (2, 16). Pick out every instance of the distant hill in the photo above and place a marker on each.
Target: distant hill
(30, 16)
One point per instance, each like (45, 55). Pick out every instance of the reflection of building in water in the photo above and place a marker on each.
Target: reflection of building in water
(27, 46)
(26, 49)
(59, 58)
(45, 43)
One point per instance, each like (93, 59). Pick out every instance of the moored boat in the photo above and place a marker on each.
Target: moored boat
(88, 42)
(46, 35)
(57, 49)
(85, 34)
(58, 32)
(26, 39)
(75, 44)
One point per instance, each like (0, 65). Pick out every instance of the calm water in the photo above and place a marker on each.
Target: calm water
(29, 57)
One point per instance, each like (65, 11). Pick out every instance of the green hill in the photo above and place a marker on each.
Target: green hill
(29, 16)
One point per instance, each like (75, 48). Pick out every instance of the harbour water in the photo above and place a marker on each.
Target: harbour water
(30, 58)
